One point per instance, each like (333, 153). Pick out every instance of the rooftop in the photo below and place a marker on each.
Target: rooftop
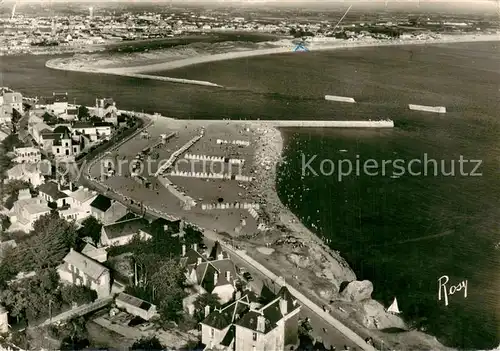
(52, 189)
(85, 264)
(134, 301)
(101, 202)
(83, 195)
(125, 228)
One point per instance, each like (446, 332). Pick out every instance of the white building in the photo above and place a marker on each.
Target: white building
(79, 269)
(27, 154)
(82, 198)
(29, 172)
(214, 273)
(25, 212)
(94, 131)
(247, 325)
(121, 233)
(53, 192)
(106, 110)
(136, 306)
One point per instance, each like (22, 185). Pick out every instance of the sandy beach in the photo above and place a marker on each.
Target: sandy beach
(163, 60)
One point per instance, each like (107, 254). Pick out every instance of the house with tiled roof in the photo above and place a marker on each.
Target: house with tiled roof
(94, 131)
(212, 273)
(52, 191)
(25, 212)
(82, 198)
(64, 144)
(79, 269)
(121, 233)
(106, 110)
(99, 254)
(29, 172)
(106, 210)
(248, 325)
(136, 306)
(27, 154)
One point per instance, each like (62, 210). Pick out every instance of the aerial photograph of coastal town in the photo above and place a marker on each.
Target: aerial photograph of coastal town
(250, 175)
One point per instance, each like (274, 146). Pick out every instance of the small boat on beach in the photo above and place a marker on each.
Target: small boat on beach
(393, 308)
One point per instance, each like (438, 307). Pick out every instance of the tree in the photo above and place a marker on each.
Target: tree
(151, 343)
(83, 112)
(77, 294)
(91, 227)
(203, 300)
(12, 141)
(76, 335)
(16, 116)
(192, 236)
(4, 223)
(50, 240)
(31, 297)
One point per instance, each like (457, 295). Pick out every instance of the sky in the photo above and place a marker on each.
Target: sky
(474, 5)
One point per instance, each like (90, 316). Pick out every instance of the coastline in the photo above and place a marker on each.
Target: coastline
(185, 56)
(270, 152)
(272, 176)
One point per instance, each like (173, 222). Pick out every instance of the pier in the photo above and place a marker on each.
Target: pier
(310, 123)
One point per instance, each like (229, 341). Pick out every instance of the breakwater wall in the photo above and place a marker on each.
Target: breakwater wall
(434, 109)
(165, 79)
(232, 161)
(309, 123)
(204, 175)
(340, 99)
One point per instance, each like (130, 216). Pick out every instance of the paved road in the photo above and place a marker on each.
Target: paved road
(319, 315)
(331, 337)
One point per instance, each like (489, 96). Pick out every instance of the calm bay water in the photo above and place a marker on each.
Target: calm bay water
(378, 223)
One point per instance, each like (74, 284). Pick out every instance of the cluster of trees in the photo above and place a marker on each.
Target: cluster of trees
(41, 296)
(91, 227)
(44, 247)
(73, 335)
(160, 276)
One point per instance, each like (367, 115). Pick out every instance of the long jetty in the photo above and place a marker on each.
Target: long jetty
(311, 123)
(166, 79)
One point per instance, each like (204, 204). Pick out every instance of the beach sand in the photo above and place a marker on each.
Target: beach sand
(182, 56)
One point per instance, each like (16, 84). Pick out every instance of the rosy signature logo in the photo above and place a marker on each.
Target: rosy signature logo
(444, 290)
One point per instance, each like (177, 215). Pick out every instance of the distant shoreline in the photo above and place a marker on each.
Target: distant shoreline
(78, 64)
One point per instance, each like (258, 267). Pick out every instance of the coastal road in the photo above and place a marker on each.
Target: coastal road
(332, 337)
(318, 315)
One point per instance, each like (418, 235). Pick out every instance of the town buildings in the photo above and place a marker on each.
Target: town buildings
(122, 232)
(27, 154)
(25, 211)
(248, 325)
(32, 173)
(213, 273)
(106, 110)
(80, 269)
(107, 211)
(136, 306)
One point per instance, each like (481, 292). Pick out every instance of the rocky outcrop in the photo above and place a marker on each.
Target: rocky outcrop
(374, 316)
(357, 291)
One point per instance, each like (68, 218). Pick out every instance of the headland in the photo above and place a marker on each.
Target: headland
(191, 54)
